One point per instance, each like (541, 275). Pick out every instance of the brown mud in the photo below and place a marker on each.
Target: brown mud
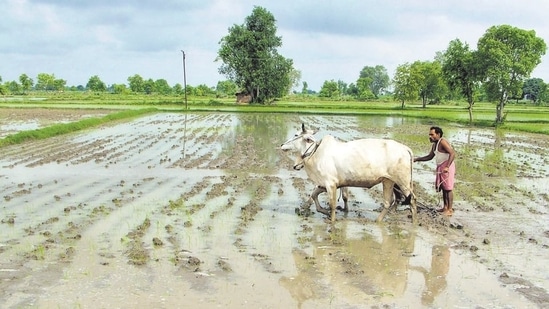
(174, 210)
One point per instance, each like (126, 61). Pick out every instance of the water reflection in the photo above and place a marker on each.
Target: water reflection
(183, 152)
(259, 134)
(484, 154)
(435, 278)
(351, 263)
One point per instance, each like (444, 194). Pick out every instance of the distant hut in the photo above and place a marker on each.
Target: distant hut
(243, 97)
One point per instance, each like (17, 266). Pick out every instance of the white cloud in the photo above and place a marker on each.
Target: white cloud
(327, 40)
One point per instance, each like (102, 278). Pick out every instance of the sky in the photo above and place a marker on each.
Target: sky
(327, 40)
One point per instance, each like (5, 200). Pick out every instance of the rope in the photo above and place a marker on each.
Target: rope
(306, 154)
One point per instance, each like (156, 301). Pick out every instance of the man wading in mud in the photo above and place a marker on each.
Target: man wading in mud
(444, 156)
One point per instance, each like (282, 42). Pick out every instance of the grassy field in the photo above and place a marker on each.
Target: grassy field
(519, 117)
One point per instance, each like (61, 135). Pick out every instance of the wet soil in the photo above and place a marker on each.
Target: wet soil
(174, 210)
(13, 120)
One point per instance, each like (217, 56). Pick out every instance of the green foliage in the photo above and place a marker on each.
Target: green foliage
(330, 89)
(14, 88)
(305, 88)
(295, 79)
(251, 60)
(161, 86)
(363, 90)
(96, 84)
(372, 81)
(148, 86)
(202, 90)
(119, 89)
(508, 56)
(48, 82)
(226, 88)
(406, 83)
(535, 89)
(2, 87)
(428, 76)
(136, 83)
(461, 71)
(26, 82)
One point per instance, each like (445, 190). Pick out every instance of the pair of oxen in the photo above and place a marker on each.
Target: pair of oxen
(332, 164)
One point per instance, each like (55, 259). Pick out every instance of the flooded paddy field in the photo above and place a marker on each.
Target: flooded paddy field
(177, 210)
(13, 120)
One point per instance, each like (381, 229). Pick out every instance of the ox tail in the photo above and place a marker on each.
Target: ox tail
(408, 199)
(412, 195)
(399, 193)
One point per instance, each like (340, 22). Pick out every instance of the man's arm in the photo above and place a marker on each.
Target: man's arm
(428, 157)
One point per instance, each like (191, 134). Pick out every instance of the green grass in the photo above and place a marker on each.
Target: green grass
(522, 117)
(64, 128)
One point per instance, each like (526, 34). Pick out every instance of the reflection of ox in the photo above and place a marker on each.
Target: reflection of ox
(363, 265)
(332, 164)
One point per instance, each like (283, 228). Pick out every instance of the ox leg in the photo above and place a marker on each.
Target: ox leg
(413, 208)
(332, 194)
(345, 196)
(406, 197)
(314, 197)
(387, 198)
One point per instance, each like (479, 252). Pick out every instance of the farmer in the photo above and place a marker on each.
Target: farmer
(444, 156)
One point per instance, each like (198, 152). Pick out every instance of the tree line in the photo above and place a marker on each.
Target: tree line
(497, 71)
(136, 84)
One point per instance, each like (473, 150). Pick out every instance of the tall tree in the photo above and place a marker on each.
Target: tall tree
(406, 84)
(226, 88)
(45, 81)
(428, 75)
(508, 56)
(59, 84)
(3, 88)
(96, 84)
(295, 79)
(178, 89)
(136, 83)
(363, 90)
(26, 82)
(330, 89)
(14, 87)
(148, 86)
(460, 69)
(119, 89)
(250, 57)
(305, 88)
(535, 89)
(375, 79)
(161, 86)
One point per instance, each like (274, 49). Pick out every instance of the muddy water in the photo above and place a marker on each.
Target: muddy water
(174, 210)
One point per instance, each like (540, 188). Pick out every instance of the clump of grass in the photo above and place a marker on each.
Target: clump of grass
(136, 252)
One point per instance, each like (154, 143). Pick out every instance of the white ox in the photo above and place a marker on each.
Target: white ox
(364, 163)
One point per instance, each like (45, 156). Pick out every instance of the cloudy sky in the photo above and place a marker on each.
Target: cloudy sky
(327, 40)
